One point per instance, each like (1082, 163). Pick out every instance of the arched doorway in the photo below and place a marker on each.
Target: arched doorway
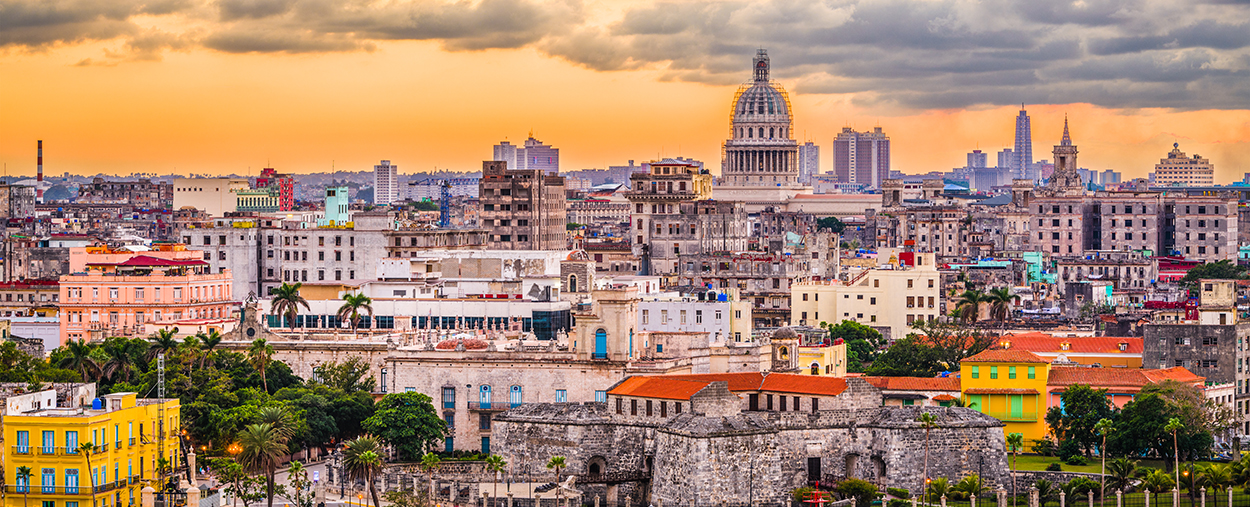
(601, 344)
(572, 283)
(852, 462)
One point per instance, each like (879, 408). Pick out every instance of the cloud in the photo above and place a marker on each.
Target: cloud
(910, 53)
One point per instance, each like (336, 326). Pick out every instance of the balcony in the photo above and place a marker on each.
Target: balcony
(1014, 416)
(46, 490)
(485, 406)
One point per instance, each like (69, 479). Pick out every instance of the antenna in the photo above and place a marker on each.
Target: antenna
(160, 406)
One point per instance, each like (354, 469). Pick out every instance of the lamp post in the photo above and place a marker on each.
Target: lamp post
(234, 449)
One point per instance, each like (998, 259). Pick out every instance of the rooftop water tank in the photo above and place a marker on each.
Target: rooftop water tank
(97, 404)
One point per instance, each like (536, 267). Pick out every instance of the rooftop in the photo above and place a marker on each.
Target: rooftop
(1006, 356)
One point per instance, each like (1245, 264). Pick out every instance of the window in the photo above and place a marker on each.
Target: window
(645, 317)
(484, 397)
(514, 396)
(562, 396)
(993, 372)
(1032, 372)
(1011, 372)
(483, 422)
(633, 407)
(976, 372)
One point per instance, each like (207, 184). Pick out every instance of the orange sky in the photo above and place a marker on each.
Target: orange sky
(200, 111)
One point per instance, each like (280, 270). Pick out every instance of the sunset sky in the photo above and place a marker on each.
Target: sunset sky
(221, 86)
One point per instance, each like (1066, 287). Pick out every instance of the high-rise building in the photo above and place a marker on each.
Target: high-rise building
(385, 183)
(282, 186)
(1180, 170)
(523, 208)
(977, 159)
(506, 152)
(1007, 159)
(809, 162)
(861, 158)
(760, 151)
(1024, 144)
(536, 156)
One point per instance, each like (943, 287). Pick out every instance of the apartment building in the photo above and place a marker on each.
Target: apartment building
(524, 209)
(889, 298)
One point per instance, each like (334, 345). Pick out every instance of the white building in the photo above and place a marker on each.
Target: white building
(506, 152)
(432, 189)
(723, 321)
(889, 298)
(385, 183)
(215, 196)
(809, 162)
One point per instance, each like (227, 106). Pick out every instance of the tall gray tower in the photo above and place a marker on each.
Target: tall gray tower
(1024, 144)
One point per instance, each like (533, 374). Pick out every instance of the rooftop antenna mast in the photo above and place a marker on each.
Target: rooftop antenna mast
(160, 409)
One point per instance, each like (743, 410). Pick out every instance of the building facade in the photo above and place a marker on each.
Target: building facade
(861, 158)
(523, 209)
(1179, 170)
(385, 183)
(809, 162)
(888, 300)
(761, 150)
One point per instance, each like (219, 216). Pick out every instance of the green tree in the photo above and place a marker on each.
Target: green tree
(1015, 443)
(557, 463)
(1158, 482)
(908, 357)
(1082, 408)
(951, 341)
(1000, 301)
(286, 302)
(862, 491)
(260, 354)
(1046, 491)
(1103, 427)
(347, 376)
(1122, 471)
(937, 489)
(496, 465)
(279, 420)
(573, 226)
(209, 341)
(1174, 425)
(300, 491)
(87, 449)
(165, 341)
(79, 358)
(353, 306)
(408, 422)
(23, 480)
(928, 421)
(121, 355)
(969, 305)
(1216, 477)
(832, 223)
(862, 342)
(262, 448)
(1220, 270)
(429, 463)
(362, 457)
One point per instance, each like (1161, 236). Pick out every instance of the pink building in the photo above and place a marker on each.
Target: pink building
(115, 293)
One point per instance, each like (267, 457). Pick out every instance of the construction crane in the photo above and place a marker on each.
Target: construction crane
(444, 205)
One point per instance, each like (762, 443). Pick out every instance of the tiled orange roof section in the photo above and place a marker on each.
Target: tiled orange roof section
(1005, 356)
(1117, 377)
(914, 383)
(1177, 373)
(803, 384)
(1042, 342)
(737, 381)
(658, 387)
(943, 397)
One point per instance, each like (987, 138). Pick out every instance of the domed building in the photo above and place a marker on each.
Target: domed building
(761, 151)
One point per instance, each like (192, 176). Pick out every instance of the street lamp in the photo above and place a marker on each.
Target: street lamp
(234, 449)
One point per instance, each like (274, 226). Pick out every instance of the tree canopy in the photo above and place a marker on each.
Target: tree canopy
(1082, 407)
(831, 223)
(863, 343)
(408, 422)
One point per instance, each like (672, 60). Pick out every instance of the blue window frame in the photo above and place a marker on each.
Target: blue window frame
(449, 397)
(23, 442)
(49, 442)
(485, 445)
(48, 481)
(71, 481)
(562, 395)
(483, 397)
(601, 396)
(514, 396)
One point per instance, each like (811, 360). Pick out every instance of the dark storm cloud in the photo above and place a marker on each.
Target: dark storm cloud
(914, 53)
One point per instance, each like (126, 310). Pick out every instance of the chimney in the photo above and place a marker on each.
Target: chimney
(39, 174)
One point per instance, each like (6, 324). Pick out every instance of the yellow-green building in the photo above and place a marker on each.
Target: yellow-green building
(1009, 385)
(129, 434)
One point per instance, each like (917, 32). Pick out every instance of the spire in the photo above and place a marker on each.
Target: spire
(761, 65)
(1067, 140)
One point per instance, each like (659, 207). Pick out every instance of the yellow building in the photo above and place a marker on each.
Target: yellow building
(826, 360)
(1009, 385)
(129, 435)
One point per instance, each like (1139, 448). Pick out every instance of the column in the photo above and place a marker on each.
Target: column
(147, 496)
(1002, 497)
(1063, 499)
(193, 496)
(1119, 498)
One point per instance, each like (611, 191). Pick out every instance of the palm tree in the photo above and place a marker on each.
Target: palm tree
(262, 448)
(495, 463)
(210, 341)
(286, 302)
(1174, 425)
(79, 358)
(1102, 428)
(191, 345)
(1045, 491)
(164, 341)
(23, 479)
(353, 305)
(1216, 477)
(928, 421)
(362, 458)
(87, 449)
(278, 418)
(557, 463)
(1015, 443)
(1157, 482)
(259, 354)
(119, 352)
(969, 305)
(1122, 472)
(938, 488)
(429, 462)
(1000, 300)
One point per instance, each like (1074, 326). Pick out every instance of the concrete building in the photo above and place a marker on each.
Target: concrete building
(116, 293)
(977, 159)
(1023, 153)
(141, 194)
(281, 185)
(1179, 170)
(432, 189)
(888, 299)
(1007, 161)
(761, 150)
(338, 210)
(862, 158)
(1205, 340)
(385, 183)
(215, 196)
(506, 152)
(809, 162)
(536, 156)
(719, 319)
(17, 201)
(523, 209)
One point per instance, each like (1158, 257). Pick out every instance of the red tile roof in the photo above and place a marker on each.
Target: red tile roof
(914, 383)
(658, 387)
(943, 397)
(1042, 342)
(1121, 378)
(682, 387)
(1005, 356)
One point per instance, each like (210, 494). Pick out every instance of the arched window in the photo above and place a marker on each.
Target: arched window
(514, 396)
(761, 132)
(784, 353)
(572, 283)
(815, 369)
(771, 134)
(751, 134)
(483, 397)
(601, 344)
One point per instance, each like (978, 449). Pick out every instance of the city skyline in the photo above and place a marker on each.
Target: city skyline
(187, 92)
